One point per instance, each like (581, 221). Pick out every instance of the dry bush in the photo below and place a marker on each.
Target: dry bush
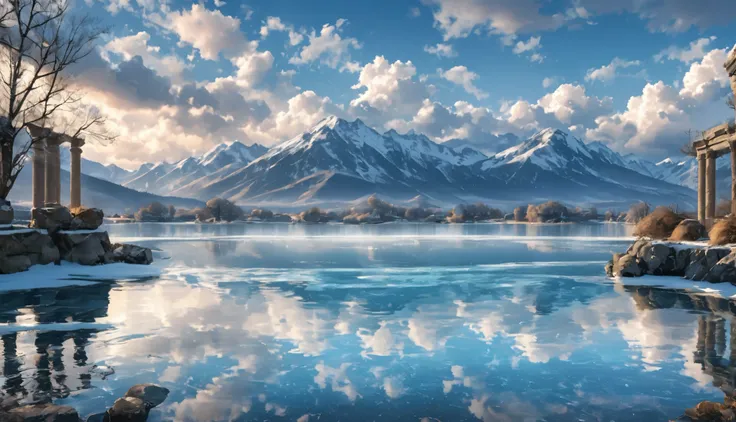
(532, 214)
(637, 212)
(659, 224)
(519, 214)
(312, 215)
(224, 210)
(548, 211)
(473, 212)
(609, 216)
(723, 232)
(261, 214)
(688, 230)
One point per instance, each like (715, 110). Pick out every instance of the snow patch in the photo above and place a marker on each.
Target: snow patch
(68, 274)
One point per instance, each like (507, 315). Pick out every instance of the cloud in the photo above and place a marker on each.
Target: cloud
(460, 75)
(389, 88)
(459, 18)
(138, 45)
(608, 72)
(695, 51)
(209, 32)
(548, 82)
(328, 47)
(441, 50)
(654, 121)
(274, 24)
(252, 68)
(670, 15)
(532, 46)
(415, 12)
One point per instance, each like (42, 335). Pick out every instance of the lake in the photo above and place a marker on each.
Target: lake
(396, 322)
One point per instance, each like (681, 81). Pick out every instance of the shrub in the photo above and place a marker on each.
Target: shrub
(473, 212)
(312, 215)
(261, 214)
(224, 210)
(609, 216)
(659, 224)
(519, 214)
(723, 232)
(688, 230)
(417, 213)
(548, 211)
(637, 212)
(155, 211)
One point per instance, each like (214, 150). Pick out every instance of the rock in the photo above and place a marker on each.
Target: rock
(51, 218)
(689, 230)
(41, 248)
(128, 409)
(9, 417)
(132, 254)
(724, 270)
(151, 394)
(7, 403)
(45, 413)
(703, 260)
(7, 214)
(83, 248)
(708, 409)
(99, 417)
(87, 219)
(14, 264)
(627, 266)
(658, 259)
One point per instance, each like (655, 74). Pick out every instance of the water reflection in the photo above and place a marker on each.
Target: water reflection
(413, 329)
(39, 366)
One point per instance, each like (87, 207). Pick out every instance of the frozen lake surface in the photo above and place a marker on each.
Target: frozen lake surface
(399, 322)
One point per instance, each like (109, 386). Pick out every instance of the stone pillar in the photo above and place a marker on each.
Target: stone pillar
(53, 173)
(730, 66)
(701, 188)
(39, 173)
(710, 188)
(75, 182)
(733, 177)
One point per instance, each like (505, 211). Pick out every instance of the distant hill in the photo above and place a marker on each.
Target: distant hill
(112, 198)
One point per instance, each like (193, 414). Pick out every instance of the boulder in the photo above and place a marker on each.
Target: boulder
(45, 413)
(14, 264)
(131, 254)
(84, 248)
(658, 259)
(151, 394)
(51, 218)
(128, 409)
(7, 403)
(689, 230)
(40, 248)
(87, 219)
(99, 417)
(702, 260)
(626, 266)
(724, 270)
(7, 213)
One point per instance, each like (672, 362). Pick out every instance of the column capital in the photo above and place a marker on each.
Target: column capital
(710, 154)
(77, 144)
(730, 64)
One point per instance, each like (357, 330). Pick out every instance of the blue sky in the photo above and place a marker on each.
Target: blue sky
(178, 77)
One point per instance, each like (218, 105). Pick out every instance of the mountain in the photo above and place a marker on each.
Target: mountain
(164, 178)
(683, 171)
(99, 193)
(553, 164)
(111, 172)
(339, 161)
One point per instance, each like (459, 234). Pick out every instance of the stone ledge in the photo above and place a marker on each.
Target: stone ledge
(693, 261)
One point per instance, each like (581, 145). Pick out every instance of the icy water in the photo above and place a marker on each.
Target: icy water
(379, 323)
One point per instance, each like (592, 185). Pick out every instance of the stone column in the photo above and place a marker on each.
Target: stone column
(75, 188)
(733, 177)
(39, 173)
(53, 172)
(730, 66)
(701, 188)
(710, 187)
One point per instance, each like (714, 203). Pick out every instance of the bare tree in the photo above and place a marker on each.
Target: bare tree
(688, 149)
(730, 102)
(39, 40)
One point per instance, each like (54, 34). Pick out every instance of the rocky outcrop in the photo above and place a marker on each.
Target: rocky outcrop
(6, 212)
(87, 219)
(20, 250)
(713, 264)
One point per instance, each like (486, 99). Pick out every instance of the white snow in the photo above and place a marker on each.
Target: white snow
(724, 290)
(68, 274)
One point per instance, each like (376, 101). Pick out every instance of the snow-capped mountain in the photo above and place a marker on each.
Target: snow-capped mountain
(554, 164)
(110, 172)
(163, 178)
(337, 160)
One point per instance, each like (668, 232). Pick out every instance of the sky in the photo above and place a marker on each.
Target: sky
(176, 78)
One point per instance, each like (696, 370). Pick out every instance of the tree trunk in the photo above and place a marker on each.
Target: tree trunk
(6, 166)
